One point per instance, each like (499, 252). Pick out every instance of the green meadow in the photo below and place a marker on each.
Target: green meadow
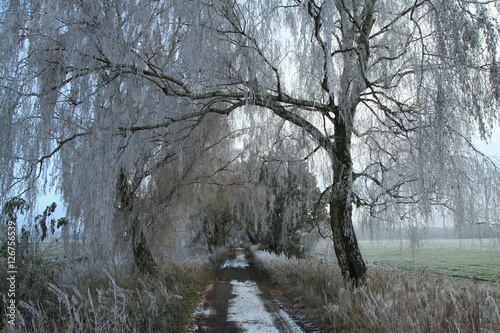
(467, 257)
(472, 258)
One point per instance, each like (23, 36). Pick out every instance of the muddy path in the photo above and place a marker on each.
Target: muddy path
(240, 300)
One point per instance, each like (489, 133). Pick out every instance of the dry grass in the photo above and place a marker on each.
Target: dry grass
(101, 302)
(389, 301)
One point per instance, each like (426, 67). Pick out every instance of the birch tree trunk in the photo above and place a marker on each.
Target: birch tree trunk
(352, 85)
(345, 243)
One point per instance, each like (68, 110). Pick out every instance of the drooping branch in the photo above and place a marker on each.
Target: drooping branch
(60, 144)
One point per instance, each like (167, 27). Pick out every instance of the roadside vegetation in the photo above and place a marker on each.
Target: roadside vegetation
(67, 297)
(388, 301)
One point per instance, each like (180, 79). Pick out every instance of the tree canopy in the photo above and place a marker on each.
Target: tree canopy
(388, 94)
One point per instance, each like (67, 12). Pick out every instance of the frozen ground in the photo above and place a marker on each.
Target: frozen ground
(238, 302)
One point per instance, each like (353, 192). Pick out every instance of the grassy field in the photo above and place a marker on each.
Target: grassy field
(468, 257)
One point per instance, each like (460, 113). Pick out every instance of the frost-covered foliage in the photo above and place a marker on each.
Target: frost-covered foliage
(106, 98)
(292, 205)
(112, 171)
(390, 301)
(53, 297)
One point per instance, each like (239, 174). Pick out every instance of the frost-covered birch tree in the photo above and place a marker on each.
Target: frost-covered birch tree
(392, 94)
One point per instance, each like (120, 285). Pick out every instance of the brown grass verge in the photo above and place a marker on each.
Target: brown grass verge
(388, 301)
(102, 302)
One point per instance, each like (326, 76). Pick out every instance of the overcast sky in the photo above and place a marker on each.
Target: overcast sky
(492, 148)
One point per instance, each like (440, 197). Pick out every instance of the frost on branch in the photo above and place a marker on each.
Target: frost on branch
(124, 105)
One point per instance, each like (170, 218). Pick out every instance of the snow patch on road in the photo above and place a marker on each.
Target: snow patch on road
(247, 310)
(239, 262)
(247, 307)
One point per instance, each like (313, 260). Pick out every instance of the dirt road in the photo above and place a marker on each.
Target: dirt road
(239, 301)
